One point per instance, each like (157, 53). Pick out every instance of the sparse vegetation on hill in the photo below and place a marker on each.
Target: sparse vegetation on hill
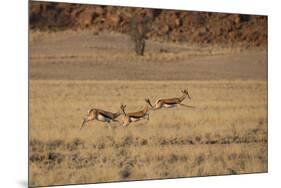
(168, 25)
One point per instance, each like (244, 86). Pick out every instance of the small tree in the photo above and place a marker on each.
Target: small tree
(139, 27)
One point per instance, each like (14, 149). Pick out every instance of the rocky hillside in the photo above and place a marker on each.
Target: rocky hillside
(181, 26)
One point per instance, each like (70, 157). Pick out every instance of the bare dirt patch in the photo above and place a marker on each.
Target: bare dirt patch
(82, 56)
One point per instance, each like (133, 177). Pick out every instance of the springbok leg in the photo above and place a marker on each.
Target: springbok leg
(184, 105)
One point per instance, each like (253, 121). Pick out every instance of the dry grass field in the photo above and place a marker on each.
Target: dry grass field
(226, 132)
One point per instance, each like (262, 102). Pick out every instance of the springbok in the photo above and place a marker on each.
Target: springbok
(170, 102)
(100, 115)
(134, 116)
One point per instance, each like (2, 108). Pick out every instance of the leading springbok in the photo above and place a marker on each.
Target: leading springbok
(100, 115)
(134, 116)
(170, 102)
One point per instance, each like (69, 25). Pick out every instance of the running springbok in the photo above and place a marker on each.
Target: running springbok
(170, 102)
(134, 116)
(100, 115)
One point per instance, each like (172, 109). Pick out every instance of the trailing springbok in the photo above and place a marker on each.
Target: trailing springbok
(170, 102)
(100, 115)
(134, 116)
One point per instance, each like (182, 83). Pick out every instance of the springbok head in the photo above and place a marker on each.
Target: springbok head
(186, 93)
(84, 121)
(123, 107)
(148, 102)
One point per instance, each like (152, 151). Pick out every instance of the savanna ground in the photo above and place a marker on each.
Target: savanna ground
(71, 72)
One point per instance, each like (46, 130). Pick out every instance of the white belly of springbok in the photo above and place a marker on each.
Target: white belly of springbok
(169, 105)
(103, 118)
(132, 119)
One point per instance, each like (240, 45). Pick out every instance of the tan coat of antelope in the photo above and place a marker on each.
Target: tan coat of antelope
(134, 116)
(100, 115)
(170, 102)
